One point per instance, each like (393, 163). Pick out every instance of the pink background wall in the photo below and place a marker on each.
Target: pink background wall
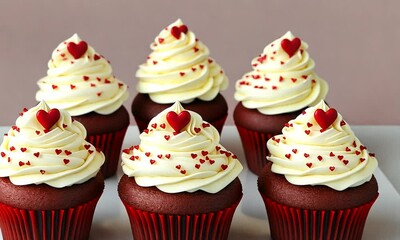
(356, 44)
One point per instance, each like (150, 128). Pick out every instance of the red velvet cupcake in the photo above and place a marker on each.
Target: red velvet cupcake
(281, 85)
(180, 69)
(80, 81)
(49, 177)
(180, 183)
(319, 183)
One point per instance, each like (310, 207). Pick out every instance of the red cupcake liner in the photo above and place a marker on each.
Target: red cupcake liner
(110, 144)
(295, 223)
(148, 225)
(218, 124)
(71, 223)
(255, 148)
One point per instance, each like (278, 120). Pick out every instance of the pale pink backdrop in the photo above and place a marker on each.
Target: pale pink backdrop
(355, 44)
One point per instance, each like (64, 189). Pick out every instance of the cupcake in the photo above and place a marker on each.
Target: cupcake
(280, 86)
(180, 69)
(49, 177)
(80, 81)
(319, 183)
(180, 183)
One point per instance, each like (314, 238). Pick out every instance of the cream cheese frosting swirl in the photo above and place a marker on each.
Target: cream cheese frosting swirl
(179, 68)
(56, 155)
(311, 153)
(186, 158)
(282, 80)
(80, 80)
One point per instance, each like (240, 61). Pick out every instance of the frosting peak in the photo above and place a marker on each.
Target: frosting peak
(179, 152)
(47, 146)
(319, 148)
(282, 79)
(180, 68)
(80, 80)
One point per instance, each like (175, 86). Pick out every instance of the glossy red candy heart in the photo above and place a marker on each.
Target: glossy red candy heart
(291, 46)
(325, 119)
(48, 119)
(176, 31)
(178, 121)
(77, 50)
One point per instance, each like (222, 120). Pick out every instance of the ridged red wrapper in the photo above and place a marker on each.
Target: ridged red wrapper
(294, 223)
(59, 224)
(110, 144)
(148, 225)
(255, 148)
(218, 124)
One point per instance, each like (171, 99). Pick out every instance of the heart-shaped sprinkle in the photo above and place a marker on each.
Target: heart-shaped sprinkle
(28, 163)
(362, 147)
(21, 163)
(168, 155)
(42, 171)
(307, 132)
(224, 166)
(154, 125)
(66, 161)
(325, 119)
(167, 137)
(12, 148)
(96, 57)
(37, 132)
(176, 31)
(77, 50)
(340, 157)
(217, 148)
(183, 171)
(58, 151)
(204, 125)
(319, 158)
(204, 153)
(202, 161)
(162, 125)
(193, 155)
(212, 161)
(291, 46)
(197, 166)
(331, 154)
(127, 151)
(287, 156)
(48, 119)
(362, 159)
(178, 166)
(348, 149)
(147, 154)
(358, 152)
(132, 158)
(197, 130)
(306, 155)
(152, 161)
(178, 121)
(345, 162)
(36, 154)
(67, 152)
(309, 165)
(87, 146)
(23, 149)
(228, 154)
(294, 150)
(332, 168)
(2, 154)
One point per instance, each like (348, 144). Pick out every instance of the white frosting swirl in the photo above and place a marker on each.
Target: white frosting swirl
(180, 69)
(58, 157)
(333, 157)
(187, 161)
(81, 85)
(280, 83)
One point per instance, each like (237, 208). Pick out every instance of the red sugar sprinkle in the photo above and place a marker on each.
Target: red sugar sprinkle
(210, 60)
(67, 152)
(304, 76)
(342, 123)
(217, 148)
(183, 171)
(362, 147)
(28, 163)
(294, 80)
(309, 165)
(362, 159)
(332, 168)
(66, 161)
(331, 154)
(147, 154)
(146, 131)
(155, 62)
(348, 149)
(197, 166)
(85, 78)
(23, 149)
(319, 157)
(294, 150)
(193, 69)
(256, 76)
(42, 171)
(36, 154)
(107, 81)
(2, 154)
(54, 86)
(309, 124)
(201, 66)
(288, 156)
(212, 161)
(340, 157)
(195, 49)
(267, 79)
(193, 155)
(204, 153)
(120, 84)
(127, 151)
(152, 161)
(306, 155)
(72, 86)
(274, 87)
(280, 78)
(132, 158)
(282, 62)
(178, 166)
(93, 85)
(37, 132)
(182, 74)
(159, 156)
(168, 155)
(154, 125)
(202, 161)
(167, 137)
(99, 94)
(197, 130)
(224, 166)
(345, 162)
(160, 40)
(162, 125)
(307, 132)
(12, 148)
(358, 152)
(21, 163)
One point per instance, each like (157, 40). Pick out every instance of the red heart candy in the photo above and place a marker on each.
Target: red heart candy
(77, 50)
(176, 31)
(48, 119)
(325, 119)
(291, 46)
(178, 121)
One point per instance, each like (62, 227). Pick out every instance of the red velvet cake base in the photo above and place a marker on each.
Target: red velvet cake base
(59, 224)
(110, 144)
(294, 223)
(148, 225)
